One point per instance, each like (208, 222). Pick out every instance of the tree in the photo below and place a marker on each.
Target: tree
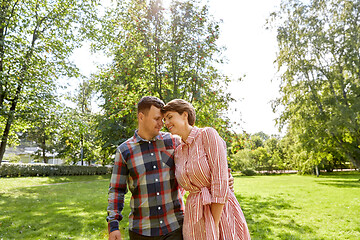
(36, 40)
(44, 130)
(168, 53)
(77, 133)
(319, 49)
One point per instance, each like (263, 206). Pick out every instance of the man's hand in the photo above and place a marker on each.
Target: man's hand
(115, 235)
(231, 181)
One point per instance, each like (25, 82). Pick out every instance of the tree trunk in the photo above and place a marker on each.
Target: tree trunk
(5, 135)
(317, 170)
(355, 162)
(44, 149)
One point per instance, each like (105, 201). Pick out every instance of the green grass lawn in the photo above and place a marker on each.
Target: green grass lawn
(276, 207)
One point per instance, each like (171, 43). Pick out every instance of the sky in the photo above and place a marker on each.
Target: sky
(251, 51)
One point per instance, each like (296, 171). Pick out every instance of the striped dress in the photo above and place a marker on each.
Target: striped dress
(201, 169)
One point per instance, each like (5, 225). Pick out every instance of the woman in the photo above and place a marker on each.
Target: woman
(212, 210)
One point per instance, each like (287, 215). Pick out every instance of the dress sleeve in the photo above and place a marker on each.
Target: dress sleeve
(117, 191)
(215, 149)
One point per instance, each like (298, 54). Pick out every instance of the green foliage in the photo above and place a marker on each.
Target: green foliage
(319, 64)
(30, 170)
(168, 53)
(76, 133)
(44, 129)
(257, 151)
(77, 138)
(242, 160)
(240, 142)
(249, 172)
(12, 158)
(37, 38)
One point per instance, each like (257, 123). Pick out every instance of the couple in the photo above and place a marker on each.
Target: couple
(145, 164)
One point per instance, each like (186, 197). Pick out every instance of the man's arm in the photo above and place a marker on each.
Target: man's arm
(117, 191)
(231, 181)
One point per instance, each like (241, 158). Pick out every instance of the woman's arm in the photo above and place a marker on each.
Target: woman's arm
(216, 210)
(215, 150)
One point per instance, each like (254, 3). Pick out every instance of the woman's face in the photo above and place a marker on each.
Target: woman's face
(175, 122)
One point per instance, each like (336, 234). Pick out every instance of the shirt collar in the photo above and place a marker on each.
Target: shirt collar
(193, 133)
(140, 139)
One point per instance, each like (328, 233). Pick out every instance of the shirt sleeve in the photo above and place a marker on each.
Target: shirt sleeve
(117, 191)
(215, 149)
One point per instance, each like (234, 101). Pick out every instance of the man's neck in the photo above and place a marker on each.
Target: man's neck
(145, 136)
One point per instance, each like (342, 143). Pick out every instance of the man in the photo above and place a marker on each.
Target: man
(145, 163)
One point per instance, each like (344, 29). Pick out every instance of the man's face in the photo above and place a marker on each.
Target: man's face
(152, 121)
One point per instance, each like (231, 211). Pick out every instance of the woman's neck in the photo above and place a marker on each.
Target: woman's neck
(186, 133)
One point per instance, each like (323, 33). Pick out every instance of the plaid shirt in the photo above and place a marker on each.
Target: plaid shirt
(148, 169)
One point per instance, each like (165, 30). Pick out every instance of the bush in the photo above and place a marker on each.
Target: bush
(13, 158)
(242, 160)
(249, 172)
(31, 170)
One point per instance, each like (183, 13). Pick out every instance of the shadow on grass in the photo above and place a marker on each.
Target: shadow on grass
(343, 175)
(77, 178)
(71, 211)
(340, 179)
(341, 183)
(267, 219)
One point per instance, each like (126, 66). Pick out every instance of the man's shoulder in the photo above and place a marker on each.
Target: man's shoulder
(125, 145)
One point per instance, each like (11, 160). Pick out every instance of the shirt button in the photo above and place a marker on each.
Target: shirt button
(157, 193)
(156, 180)
(161, 222)
(159, 208)
(152, 154)
(154, 167)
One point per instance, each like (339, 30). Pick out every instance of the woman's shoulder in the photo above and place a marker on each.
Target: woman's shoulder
(209, 131)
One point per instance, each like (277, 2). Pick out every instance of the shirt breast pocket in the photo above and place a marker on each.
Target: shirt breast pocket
(167, 158)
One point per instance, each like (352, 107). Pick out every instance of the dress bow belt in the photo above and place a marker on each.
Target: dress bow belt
(202, 209)
(203, 198)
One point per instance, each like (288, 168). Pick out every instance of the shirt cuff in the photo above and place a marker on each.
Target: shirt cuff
(113, 226)
(220, 200)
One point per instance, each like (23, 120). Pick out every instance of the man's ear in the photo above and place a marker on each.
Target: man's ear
(141, 116)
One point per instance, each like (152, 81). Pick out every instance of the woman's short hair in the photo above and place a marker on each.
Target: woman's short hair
(145, 104)
(180, 106)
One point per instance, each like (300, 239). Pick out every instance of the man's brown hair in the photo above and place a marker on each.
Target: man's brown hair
(180, 106)
(146, 102)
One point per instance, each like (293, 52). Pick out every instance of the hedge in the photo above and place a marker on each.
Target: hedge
(31, 170)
